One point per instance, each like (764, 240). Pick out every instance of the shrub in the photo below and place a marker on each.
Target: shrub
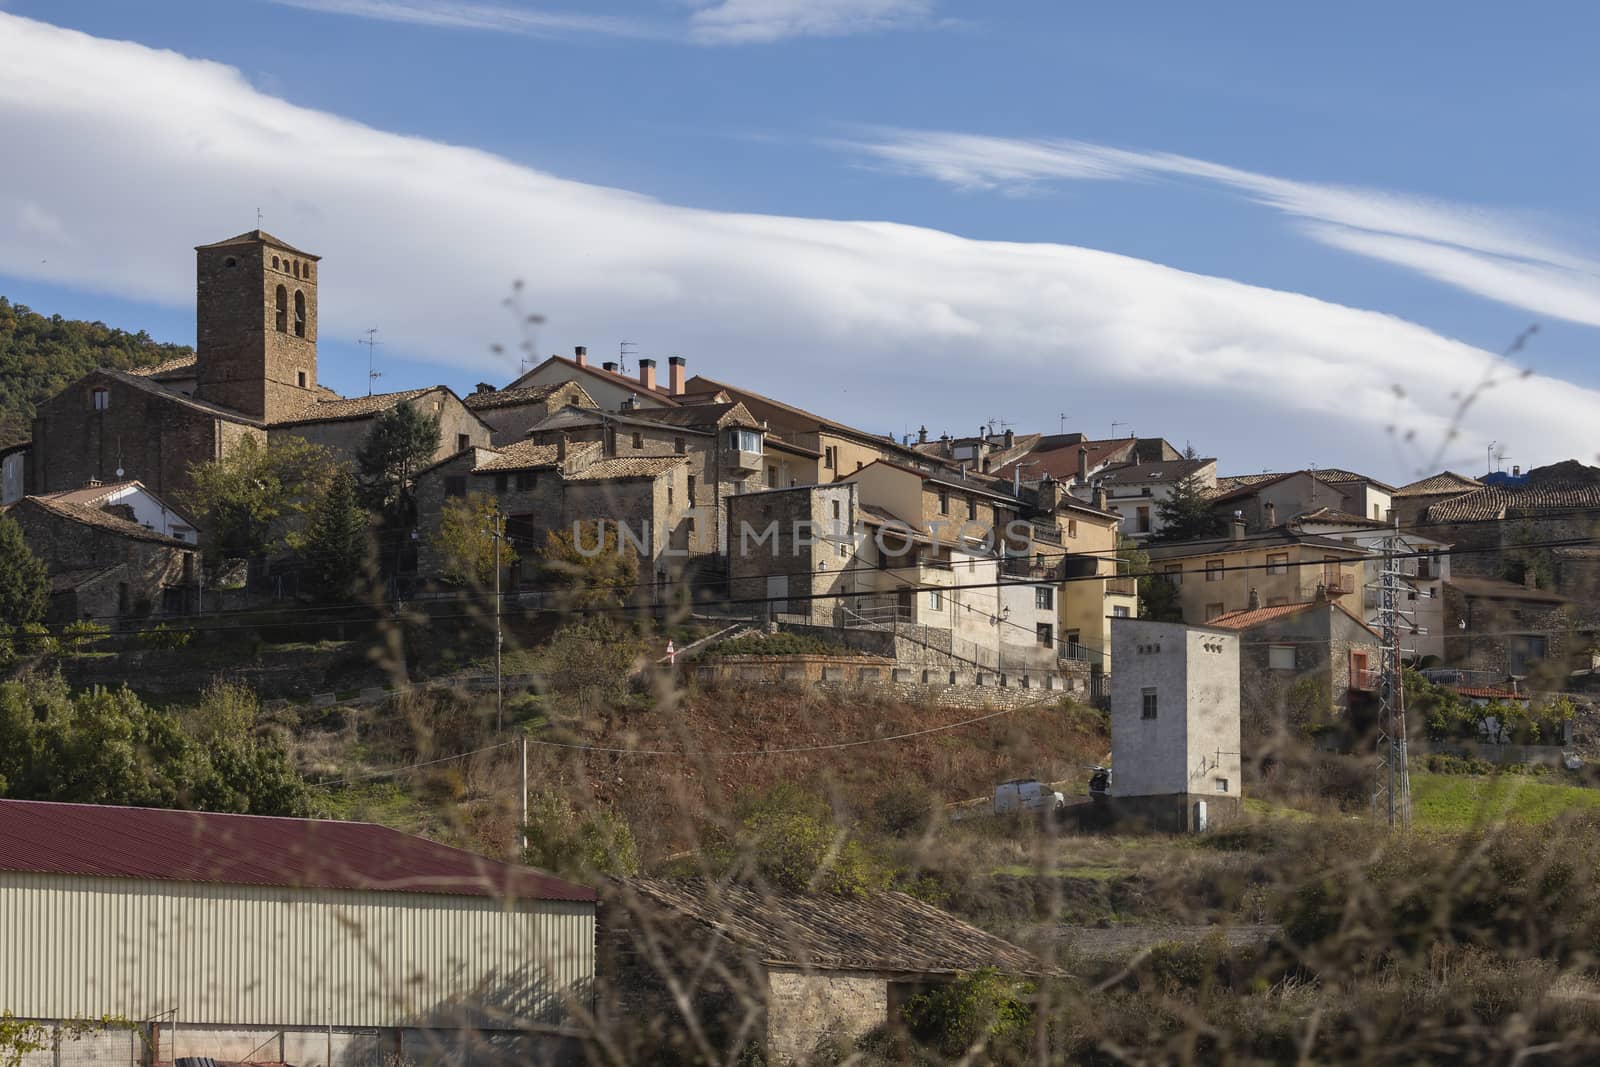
(577, 844)
(781, 643)
(79, 635)
(792, 840)
(983, 1009)
(906, 809)
(164, 638)
(1444, 763)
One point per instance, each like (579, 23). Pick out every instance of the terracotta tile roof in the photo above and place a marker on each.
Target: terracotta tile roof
(88, 516)
(1443, 482)
(662, 392)
(527, 394)
(178, 367)
(1500, 589)
(628, 467)
(1250, 618)
(728, 413)
(250, 237)
(1335, 517)
(1059, 459)
(525, 455)
(98, 841)
(1168, 471)
(355, 407)
(880, 932)
(1486, 692)
(90, 495)
(1566, 486)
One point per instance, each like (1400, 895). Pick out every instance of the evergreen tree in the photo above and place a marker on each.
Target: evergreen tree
(401, 442)
(24, 581)
(1186, 513)
(1158, 597)
(338, 541)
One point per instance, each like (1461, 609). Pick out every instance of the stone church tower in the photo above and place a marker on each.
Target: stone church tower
(256, 326)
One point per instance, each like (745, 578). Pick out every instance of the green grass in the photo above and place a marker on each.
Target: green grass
(1087, 871)
(1462, 801)
(385, 803)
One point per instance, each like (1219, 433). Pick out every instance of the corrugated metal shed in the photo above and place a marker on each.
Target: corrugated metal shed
(247, 921)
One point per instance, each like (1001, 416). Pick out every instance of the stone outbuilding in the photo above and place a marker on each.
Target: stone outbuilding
(105, 566)
(775, 972)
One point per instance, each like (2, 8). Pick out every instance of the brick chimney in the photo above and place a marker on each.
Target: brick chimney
(922, 435)
(1271, 511)
(675, 374)
(1236, 527)
(1255, 598)
(580, 355)
(1083, 466)
(484, 387)
(647, 374)
(1100, 497)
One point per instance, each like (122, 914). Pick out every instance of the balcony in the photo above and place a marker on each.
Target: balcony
(1031, 569)
(740, 459)
(1122, 587)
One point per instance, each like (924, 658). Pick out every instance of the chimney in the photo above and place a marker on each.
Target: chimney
(675, 374)
(1237, 526)
(1100, 497)
(1083, 466)
(561, 447)
(580, 354)
(609, 365)
(922, 435)
(1255, 598)
(483, 387)
(630, 404)
(647, 374)
(1011, 439)
(1516, 471)
(1271, 510)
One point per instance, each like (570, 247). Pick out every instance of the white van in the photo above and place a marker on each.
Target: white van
(1026, 794)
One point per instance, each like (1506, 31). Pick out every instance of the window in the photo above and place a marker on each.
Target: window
(830, 457)
(1424, 567)
(1214, 569)
(300, 378)
(100, 398)
(944, 502)
(844, 550)
(935, 600)
(297, 268)
(1147, 697)
(837, 512)
(1119, 611)
(1277, 563)
(691, 490)
(669, 496)
(972, 509)
(282, 323)
(274, 262)
(463, 442)
(1072, 527)
(1280, 657)
(638, 439)
(689, 524)
(1044, 598)
(1222, 785)
(1142, 520)
(231, 263)
(1045, 633)
(745, 440)
(305, 271)
(772, 477)
(299, 313)
(1073, 637)
(500, 483)
(455, 485)
(1173, 572)
(1212, 611)
(526, 480)
(1377, 512)
(678, 446)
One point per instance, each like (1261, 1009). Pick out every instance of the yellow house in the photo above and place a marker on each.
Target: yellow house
(1219, 575)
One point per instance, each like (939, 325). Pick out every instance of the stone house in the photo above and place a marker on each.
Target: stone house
(1175, 746)
(103, 565)
(606, 385)
(1506, 629)
(776, 973)
(1273, 567)
(1412, 501)
(1074, 459)
(511, 413)
(341, 425)
(795, 551)
(1265, 500)
(1302, 666)
(729, 452)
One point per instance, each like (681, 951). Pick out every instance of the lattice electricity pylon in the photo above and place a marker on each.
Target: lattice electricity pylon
(1391, 796)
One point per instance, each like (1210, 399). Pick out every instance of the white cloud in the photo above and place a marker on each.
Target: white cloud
(1494, 255)
(755, 21)
(464, 15)
(868, 320)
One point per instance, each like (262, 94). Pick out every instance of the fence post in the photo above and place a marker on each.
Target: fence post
(55, 1045)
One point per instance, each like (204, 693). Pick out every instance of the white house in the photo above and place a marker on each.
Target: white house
(132, 501)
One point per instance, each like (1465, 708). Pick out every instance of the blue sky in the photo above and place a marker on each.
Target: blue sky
(1428, 165)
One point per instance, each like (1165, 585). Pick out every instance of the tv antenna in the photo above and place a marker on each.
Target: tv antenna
(624, 350)
(258, 218)
(372, 342)
(1114, 426)
(1063, 418)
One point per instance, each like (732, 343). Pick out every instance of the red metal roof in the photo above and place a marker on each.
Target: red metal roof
(188, 846)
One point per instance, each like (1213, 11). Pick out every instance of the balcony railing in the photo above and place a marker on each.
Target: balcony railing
(1030, 568)
(1122, 586)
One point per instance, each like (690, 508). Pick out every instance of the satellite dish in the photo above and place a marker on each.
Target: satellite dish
(120, 472)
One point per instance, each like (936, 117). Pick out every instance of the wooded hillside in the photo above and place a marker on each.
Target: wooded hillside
(40, 355)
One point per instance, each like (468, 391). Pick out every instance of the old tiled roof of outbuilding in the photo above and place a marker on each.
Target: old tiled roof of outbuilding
(1167, 470)
(621, 467)
(177, 367)
(1443, 482)
(526, 455)
(732, 413)
(1250, 618)
(1334, 517)
(95, 841)
(511, 397)
(100, 520)
(1565, 486)
(879, 932)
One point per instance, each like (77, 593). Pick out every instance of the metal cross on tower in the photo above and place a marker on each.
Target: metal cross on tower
(1391, 794)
